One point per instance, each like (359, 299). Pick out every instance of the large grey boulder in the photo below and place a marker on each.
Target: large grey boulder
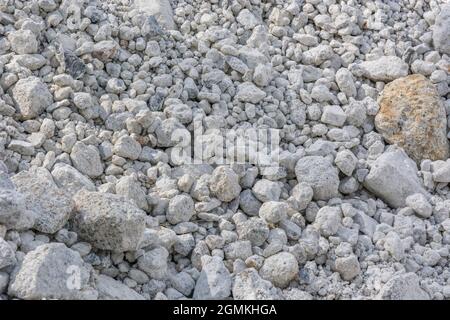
(51, 205)
(52, 271)
(108, 221)
(393, 177)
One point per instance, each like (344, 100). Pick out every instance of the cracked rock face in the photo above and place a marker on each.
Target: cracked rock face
(108, 221)
(413, 117)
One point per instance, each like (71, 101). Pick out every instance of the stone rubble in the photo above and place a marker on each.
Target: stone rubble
(96, 98)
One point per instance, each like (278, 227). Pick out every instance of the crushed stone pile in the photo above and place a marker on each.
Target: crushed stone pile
(104, 103)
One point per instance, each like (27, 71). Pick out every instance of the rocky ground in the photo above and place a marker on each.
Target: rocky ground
(94, 206)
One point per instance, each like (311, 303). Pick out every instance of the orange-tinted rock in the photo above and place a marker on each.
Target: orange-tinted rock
(413, 117)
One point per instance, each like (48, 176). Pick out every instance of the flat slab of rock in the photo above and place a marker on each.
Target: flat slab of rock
(393, 177)
(386, 68)
(413, 117)
(52, 206)
(51, 271)
(108, 221)
(110, 289)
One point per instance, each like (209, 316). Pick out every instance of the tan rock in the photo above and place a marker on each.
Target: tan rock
(413, 117)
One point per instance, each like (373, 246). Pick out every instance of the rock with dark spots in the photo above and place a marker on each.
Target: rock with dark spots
(413, 117)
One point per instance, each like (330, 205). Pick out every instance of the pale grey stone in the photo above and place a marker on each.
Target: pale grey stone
(248, 285)
(320, 174)
(403, 287)
(214, 282)
(280, 269)
(31, 96)
(419, 204)
(385, 68)
(348, 267)
(441, 37)
(108, 221)
(393, 177)
(86, 158)
(154, 263)
(52, 271)
(265, 190)
(51, 205)
(224, 184)
(180, 209)
(7, 254)
(110, 289)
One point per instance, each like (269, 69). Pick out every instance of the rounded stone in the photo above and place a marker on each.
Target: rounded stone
(280, 269)
(413, 117)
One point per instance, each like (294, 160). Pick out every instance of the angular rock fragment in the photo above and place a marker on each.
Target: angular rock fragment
(31, 96)
(248, 285)
(74, 65)
(70, 179)
(225, 184)
(51, 205)
(52, 271)
(214, 282)
(403, 287)
(7, 254)
(161, 9)
(385, 68)
(393, 177)
(86, 158)
(441, 36)
(320, 174)
(110, 289)
(108, 221)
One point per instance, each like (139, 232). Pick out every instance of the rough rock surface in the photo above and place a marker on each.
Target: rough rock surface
(393, 177)
(441, 36)
(412, 116)
(108, 221)
(51, 205)
(386, 68)
(214, 282)
(403, 287)
(52, 271)
(320, 174)
(31, 96)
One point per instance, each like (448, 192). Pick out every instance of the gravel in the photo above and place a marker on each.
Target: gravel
(183, 149)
